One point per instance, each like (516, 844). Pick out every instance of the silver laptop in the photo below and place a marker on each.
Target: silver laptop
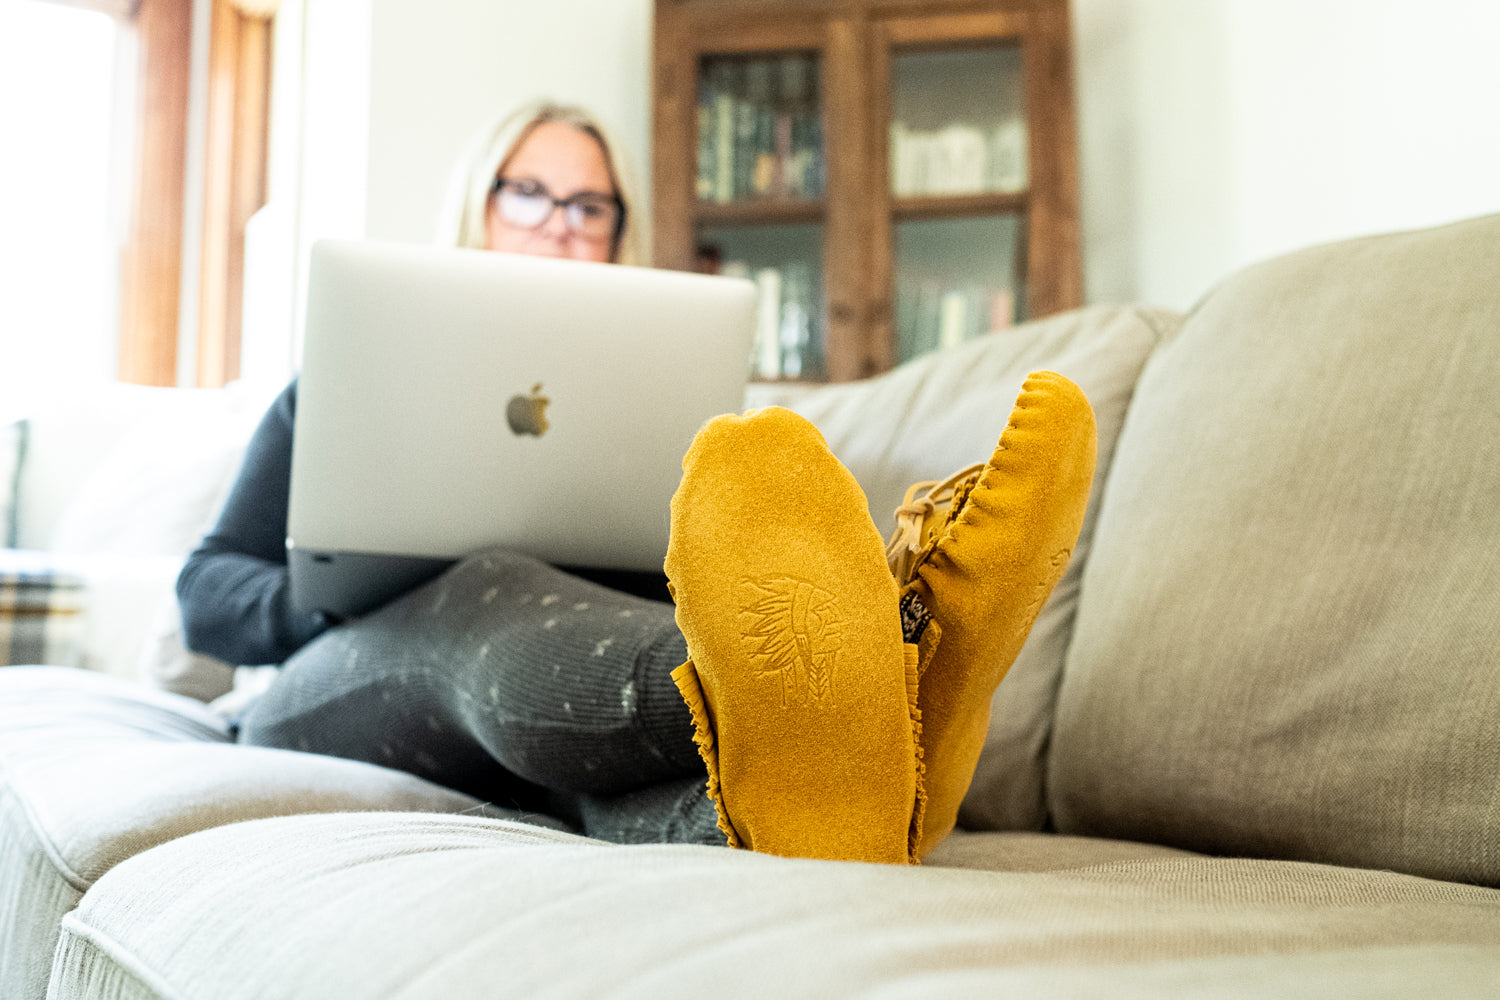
(453, 400)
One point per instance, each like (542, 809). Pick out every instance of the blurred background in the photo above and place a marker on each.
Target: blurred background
(1210, 133)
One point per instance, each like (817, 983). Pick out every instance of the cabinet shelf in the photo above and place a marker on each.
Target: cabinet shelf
(768, 212)
(958, 206)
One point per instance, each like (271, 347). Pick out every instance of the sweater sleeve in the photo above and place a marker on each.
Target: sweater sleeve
(234, 590)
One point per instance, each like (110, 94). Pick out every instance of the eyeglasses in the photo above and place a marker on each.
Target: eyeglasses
(526, 204)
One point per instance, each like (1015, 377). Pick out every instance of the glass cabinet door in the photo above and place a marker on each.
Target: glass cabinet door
(956, 279)
(896, 176)
(958, 122)
(957, 167)
(785, 262)
(759, 128)
(759, 187)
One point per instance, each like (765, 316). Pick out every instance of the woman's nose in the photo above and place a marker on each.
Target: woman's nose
(556, 222)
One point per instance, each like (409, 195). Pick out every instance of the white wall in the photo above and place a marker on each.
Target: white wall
(1212, 133)
(442, 69)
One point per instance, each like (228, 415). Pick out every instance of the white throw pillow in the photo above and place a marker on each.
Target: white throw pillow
(161, 485)
(165, 661)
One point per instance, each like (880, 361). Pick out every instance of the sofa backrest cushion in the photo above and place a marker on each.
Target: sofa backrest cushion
(945, 411)
(1288, 640)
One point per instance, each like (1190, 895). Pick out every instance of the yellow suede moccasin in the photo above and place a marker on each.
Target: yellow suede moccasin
(976, 557)
(800, 686)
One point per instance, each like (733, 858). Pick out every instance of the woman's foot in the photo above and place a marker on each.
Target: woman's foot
(975, 558)
(798, 679)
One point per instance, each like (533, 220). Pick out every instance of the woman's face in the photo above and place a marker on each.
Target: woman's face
(555, 163)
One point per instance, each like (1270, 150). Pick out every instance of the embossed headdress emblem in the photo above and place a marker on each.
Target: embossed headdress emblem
(792, 629)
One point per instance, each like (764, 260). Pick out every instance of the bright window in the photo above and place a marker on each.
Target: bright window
(62, 197)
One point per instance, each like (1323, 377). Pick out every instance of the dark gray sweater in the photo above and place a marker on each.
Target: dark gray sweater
(234, 589)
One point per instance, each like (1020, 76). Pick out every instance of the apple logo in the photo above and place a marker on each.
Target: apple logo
(527, 414)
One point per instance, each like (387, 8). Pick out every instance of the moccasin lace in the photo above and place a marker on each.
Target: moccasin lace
(925, 507)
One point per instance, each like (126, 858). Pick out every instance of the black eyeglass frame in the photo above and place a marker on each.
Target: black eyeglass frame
(563, 203)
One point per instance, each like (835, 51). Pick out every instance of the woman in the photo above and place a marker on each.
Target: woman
(794, 677)
(572, 149)
(545, 180)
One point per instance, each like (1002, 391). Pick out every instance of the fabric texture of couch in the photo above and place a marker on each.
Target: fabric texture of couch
(1252, 748)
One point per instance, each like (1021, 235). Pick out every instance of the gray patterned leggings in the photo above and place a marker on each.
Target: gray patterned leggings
(517, 683)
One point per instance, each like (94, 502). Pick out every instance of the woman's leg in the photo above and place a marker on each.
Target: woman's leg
(677, 811)
(504, 668)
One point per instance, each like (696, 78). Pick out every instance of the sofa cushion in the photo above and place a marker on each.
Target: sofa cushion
(1288, 642)
(409, 907)
(945, 411)
(94, 770)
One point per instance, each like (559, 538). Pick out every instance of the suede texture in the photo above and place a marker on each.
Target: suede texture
(798, 677)
(935, 415)
(1002, 547)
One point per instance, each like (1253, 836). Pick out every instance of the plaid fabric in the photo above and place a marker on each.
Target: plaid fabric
(41, 616)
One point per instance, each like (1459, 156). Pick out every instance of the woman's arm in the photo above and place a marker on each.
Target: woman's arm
(234, 589)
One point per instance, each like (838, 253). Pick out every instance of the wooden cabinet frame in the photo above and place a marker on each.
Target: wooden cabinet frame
(855, 41)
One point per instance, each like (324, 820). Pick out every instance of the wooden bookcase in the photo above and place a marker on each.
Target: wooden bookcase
(902, 172)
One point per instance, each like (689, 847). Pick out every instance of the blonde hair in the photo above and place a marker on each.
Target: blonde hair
(462, 222)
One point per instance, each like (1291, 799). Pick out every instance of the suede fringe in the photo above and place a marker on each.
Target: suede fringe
(919, 805)
(686, 679)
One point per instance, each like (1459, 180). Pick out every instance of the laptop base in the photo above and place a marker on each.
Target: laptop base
(350, 584)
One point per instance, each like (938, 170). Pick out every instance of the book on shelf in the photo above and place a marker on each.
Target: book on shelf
(931, 316)
(786, 342)
(796, 332)
(958, 159)
(759, 129)
(707, 153)
(766, 352)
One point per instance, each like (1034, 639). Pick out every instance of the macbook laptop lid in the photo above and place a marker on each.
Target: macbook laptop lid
(453, 400)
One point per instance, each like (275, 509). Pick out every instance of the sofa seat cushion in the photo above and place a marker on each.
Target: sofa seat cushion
(415, 907)
(1287, 643)
(94, 770)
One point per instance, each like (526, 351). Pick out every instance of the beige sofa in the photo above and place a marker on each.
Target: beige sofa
(1251, 749)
